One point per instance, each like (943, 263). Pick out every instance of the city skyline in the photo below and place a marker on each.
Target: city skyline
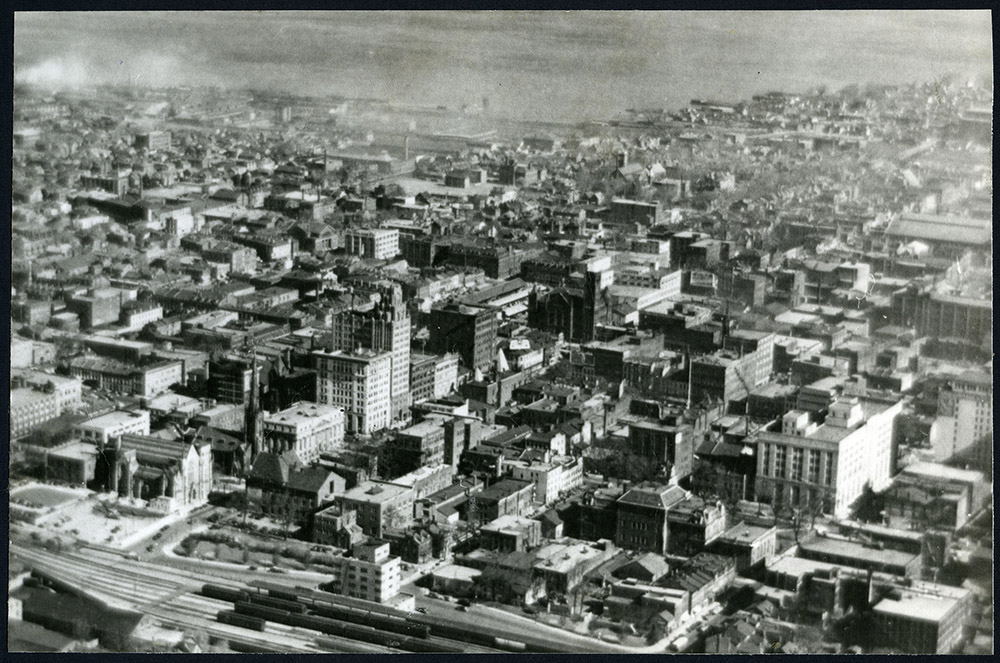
(516, 332)
(542, 65)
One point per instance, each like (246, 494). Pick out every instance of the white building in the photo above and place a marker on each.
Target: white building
(359, 383)
(30, 408)
(308, 429)
(21, 352)
(372, 574)
(642, 276)
(372, 243)
(100, 430)
(158, 378)
(138, 317)
(68, 390)
(965, 414)
(445, 375)
(827, 466)
(551, 479)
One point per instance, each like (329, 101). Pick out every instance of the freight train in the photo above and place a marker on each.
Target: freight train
(344, 629)
(236, 619)
(366, 622)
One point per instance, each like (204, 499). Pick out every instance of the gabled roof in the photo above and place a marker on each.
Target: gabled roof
(660, 497)
(309, 480)
(220, 440)
(274, 468)
(155, 451)
(653, 565)
(630, 169)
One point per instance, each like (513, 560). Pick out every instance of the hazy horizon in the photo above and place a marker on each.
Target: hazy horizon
(545, 65)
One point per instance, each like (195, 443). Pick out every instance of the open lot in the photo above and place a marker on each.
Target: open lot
(80, 514)
(41, 496)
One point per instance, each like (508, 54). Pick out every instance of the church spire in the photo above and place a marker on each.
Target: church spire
(253, 424)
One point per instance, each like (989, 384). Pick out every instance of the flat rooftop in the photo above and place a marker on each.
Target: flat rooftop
(25, 395)
(508, 523)
(375, 492)
(116, 418)
(919, 607)
(564, 557)
(422, 429)
(852, 550)
(74, 449)
(939, 471)
(418, 474)
(796, 567)
(744, 533)
(456, 572)
(304, 412)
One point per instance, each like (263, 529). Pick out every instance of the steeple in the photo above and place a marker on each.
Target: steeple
(253, 422)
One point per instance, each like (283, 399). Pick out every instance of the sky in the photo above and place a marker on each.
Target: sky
(546, 65)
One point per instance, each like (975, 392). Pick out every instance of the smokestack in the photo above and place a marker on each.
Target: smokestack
(689, 378)
(406, 147)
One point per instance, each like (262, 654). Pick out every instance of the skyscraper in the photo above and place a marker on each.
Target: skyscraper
(359, 382)
(382, 327)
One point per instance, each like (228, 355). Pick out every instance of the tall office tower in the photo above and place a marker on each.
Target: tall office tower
(964, 425)
(471, 331)
(382, 327)
(359, 382)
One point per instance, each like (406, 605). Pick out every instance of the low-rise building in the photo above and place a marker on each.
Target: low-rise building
(550, 479)
(379, 505)
(505, 497)
(869, 557)
(150, 379)
(73, 462)
(930, 495)
(106, 427)
(510, 534)
(308, 429)
(703, 576)
(693, 524)
(420, 445)
(641, 517)
(372, 243)
(753, 546)
(282, 487)
(919, 623)
(372, 573)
